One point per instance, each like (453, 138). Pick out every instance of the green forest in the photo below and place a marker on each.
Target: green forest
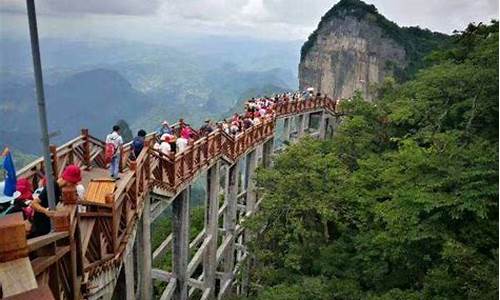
(402, 201)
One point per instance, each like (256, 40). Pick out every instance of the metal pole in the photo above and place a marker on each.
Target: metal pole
(37, 66)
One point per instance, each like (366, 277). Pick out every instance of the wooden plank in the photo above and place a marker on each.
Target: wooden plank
(222, 248)
(161, 275)
(197, 284)
(96, 214)
(40, 293)
(41, 263)
(86, 227)
(197, 257)
(39, 242)
(17, 276)
(97, 189)
(206, 294)
(163, 248)
(91, 203)
(169, 290)
(197, 240)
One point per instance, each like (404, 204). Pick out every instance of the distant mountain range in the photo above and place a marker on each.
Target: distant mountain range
(94, 84)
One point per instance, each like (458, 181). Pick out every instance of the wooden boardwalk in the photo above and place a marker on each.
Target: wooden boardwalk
(85, 258)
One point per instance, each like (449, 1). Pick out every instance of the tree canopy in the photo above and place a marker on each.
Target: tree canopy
(402, 202)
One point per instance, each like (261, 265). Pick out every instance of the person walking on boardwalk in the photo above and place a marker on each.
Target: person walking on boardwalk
(114, 142)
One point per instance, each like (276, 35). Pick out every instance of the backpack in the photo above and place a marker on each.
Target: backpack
(109, 152)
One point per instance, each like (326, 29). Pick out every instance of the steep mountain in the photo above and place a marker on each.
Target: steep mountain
(355, 47)
(94, 99)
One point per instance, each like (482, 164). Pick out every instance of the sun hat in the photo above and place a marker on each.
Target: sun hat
(72, 174)
(24, 186)
(4, 198)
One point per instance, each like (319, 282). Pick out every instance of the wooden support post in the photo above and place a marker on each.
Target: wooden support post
(138, 257)
(55, 163)
(231, 198)
(180, 229)
(86, 148)
(211, 226)
(307, 121)
(267, 153)
(251, 199)
(322, 125)
(251, 164)
(146, 282)
(301, 125)
(286, 129)
(129, 276)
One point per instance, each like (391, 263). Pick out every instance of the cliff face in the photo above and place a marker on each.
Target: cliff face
(354, 48)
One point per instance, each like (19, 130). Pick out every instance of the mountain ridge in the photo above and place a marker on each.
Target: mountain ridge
(354, 46)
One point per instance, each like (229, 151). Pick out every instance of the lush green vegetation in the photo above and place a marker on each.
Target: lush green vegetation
(402, 203)
(417, 42)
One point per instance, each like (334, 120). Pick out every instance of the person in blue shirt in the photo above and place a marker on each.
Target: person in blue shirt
(138, 143)
(164, 129)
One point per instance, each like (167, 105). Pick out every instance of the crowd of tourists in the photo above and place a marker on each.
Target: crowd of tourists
(33, 202)
(171, 141)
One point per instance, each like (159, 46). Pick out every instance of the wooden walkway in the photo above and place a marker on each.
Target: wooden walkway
(83, 258)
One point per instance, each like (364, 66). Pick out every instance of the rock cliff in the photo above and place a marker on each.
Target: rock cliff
(355, 48)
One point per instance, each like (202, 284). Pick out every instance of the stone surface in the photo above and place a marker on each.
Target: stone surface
(356, 48)
(349, 55)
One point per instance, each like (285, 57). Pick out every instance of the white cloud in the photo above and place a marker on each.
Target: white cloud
(274, 19)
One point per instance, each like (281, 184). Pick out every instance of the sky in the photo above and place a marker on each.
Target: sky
(160, 20)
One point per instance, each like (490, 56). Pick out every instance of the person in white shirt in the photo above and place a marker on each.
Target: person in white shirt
(115, 139)
(165, 145)
(181, 144)
(256, 121)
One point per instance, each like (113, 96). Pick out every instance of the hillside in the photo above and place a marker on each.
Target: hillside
(355, 47)
(140, 83)
(93, 99)
(402, 202)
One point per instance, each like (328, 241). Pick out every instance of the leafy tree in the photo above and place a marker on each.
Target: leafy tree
(402, 203)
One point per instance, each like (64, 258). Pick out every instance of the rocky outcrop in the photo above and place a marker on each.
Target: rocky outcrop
(355, 48)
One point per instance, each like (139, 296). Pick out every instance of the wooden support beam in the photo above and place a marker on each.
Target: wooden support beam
(286, 129)
(198, 256)
(198, 284)
(211, 225)
(323, 124)
(307, 121)
(226, 242)
(146, 280)
(251, 164)
(180, 229)
(128, 265)
(163, 248)
(267, 153)
(230, 215)
(162, 275)
(197, 240)
(301, 125)
(169, 291)
(207, 294)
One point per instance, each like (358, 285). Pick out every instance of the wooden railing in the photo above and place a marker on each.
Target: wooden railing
(99, 232)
